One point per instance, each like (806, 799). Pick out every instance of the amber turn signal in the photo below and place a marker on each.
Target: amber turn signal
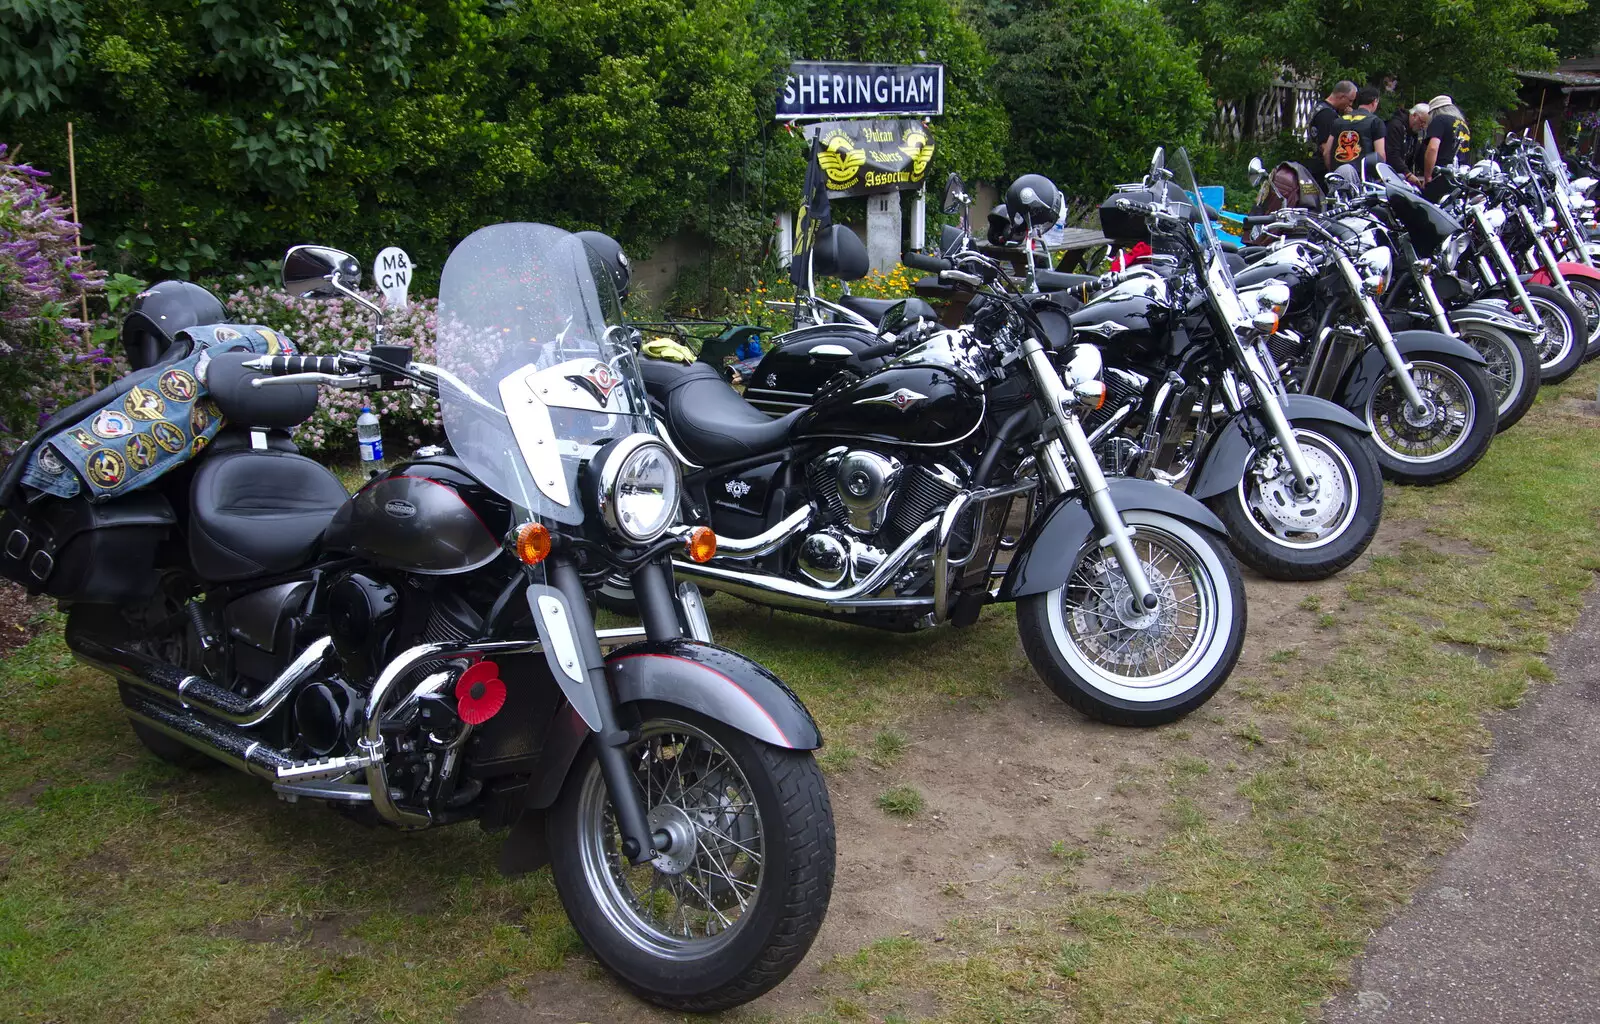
(533, 543)
(702, 543)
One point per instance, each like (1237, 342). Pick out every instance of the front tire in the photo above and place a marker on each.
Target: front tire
(1279, 533)
(727, 912)
(1566, 333)
(1587, 294)
(1140, 670)
(1449, 438)
(1513, 368)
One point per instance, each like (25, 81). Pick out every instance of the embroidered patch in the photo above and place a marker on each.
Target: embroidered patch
(199, 443)
(141, 452)
(274, 346)
(204, 414)
(225, 334)
(178, 386)
(144, 404)
(201, 366)
(169, 437)
(110, 424)
(106, 468)
(83, 439)
(50, 462)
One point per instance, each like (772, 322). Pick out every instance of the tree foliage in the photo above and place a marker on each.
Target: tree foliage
(1470, 49)
(1092, 86)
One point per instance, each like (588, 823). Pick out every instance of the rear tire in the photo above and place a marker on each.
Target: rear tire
(1513, 369)
(776, 804)
(1073, 635)
(1412, 455)
(1262, 541)
(1567, 331)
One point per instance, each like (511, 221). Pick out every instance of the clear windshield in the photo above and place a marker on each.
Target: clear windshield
(1218, 274)
(541, 379)
(1552, 156)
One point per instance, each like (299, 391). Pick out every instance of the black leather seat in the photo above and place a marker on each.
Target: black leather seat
(711, 422)
(873, 309)
(253, 513)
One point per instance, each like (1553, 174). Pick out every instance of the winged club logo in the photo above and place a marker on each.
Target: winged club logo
(902, 399)
(600, 381)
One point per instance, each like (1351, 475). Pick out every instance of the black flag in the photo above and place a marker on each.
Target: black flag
(814, 215)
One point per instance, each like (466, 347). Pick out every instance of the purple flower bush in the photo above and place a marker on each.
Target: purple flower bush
(327, 326)
(47, 355)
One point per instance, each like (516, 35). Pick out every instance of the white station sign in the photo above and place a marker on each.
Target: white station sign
(392, 270)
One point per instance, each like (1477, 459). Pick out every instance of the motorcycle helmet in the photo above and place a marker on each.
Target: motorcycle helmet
(160, 312)
(1034, 201)
(609, 250)
(1000, 226)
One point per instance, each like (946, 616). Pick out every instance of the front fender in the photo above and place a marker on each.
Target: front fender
(1049, 551)
(1362, 379)
(1495, 313)
(1582, 270)
(715, 682)
(1229, 455)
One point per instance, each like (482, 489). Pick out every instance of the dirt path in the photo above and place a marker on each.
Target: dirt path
(1025, 801)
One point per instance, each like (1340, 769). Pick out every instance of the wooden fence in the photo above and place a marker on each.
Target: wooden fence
(1286, 107)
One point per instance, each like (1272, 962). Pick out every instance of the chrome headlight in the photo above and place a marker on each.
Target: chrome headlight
(1082, 376)
(1377, 269)
(1454, 248)
(636, 486)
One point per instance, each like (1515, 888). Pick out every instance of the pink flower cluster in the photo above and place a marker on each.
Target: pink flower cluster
(328, 326)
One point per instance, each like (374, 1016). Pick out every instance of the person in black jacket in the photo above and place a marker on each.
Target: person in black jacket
(1447, 142)
(1400, 140)
(1357, 133)
(1327, 111)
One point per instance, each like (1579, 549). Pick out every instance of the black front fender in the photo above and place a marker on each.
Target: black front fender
(1049, 551)
(1362, 378)
(1229, 455)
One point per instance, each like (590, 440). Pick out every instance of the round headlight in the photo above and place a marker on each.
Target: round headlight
(638, 488)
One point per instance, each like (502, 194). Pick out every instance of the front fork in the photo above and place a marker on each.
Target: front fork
(1546, 255)
(1441, 319)
(1115, 533)
(1508, 269)
(658, 609)
(1380, 330)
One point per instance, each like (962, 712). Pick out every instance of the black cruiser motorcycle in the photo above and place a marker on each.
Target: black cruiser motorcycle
(423, 653)
(888, 502)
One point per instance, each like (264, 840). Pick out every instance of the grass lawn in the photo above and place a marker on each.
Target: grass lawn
(1001, 859)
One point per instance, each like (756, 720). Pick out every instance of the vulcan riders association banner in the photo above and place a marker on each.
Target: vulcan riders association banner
(860, 158)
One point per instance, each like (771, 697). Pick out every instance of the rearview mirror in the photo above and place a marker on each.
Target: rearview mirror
(893, 317)
(955, 194)
(1257, 171)
(318, 272)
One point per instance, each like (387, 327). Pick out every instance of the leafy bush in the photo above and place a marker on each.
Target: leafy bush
(328, 326)
(749, 305)
(46, 354)
(1092, 86)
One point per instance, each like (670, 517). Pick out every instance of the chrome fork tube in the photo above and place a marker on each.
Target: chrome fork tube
(1441, 319)
(1380, 330)
(1546, 256)
(1508, 269)
(1069, 431)
(1272, 409)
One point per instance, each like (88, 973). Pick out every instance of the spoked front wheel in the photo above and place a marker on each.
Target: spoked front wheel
(1566, 332)
(730, 907)
(1587, 294)
(1125, 666)
(1512, 368)
(1283, 533)
(1443, 439)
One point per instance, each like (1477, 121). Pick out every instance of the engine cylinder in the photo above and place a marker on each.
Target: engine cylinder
(866, 483)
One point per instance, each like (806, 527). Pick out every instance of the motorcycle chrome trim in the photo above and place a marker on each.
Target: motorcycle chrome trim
(942, 562)
(344, 792)
(222, 742)
(694, 611)
(1543, 253)
(762, 543)
(1111, 424)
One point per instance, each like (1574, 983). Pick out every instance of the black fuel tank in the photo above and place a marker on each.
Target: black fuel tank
(904, 404)
(1138, 323)
(790, 374)
(430, 517)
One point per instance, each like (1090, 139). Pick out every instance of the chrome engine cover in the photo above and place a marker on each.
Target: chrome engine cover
(866, 483)
(830, 558)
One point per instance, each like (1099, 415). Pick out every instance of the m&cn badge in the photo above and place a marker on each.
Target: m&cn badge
(861, 158)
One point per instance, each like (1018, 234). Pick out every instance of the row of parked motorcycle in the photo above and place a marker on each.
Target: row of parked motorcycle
(1096, 451)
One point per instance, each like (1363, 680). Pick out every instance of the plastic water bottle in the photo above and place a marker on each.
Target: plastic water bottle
(369, 439)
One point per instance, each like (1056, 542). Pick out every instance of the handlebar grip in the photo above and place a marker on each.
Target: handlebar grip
(918, 260)
(885, 348)
(1253, 220)
(282, 366)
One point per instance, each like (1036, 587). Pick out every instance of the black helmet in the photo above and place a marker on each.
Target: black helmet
(1034, 201)
(611, 255)
(161, 311)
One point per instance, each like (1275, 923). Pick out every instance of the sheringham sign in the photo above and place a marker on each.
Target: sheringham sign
(834, 89)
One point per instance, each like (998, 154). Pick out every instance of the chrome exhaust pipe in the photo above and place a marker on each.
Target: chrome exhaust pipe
(224, 742)
(784, 593)
(167, 680)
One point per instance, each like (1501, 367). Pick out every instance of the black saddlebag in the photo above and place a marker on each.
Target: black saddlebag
(74, 550)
